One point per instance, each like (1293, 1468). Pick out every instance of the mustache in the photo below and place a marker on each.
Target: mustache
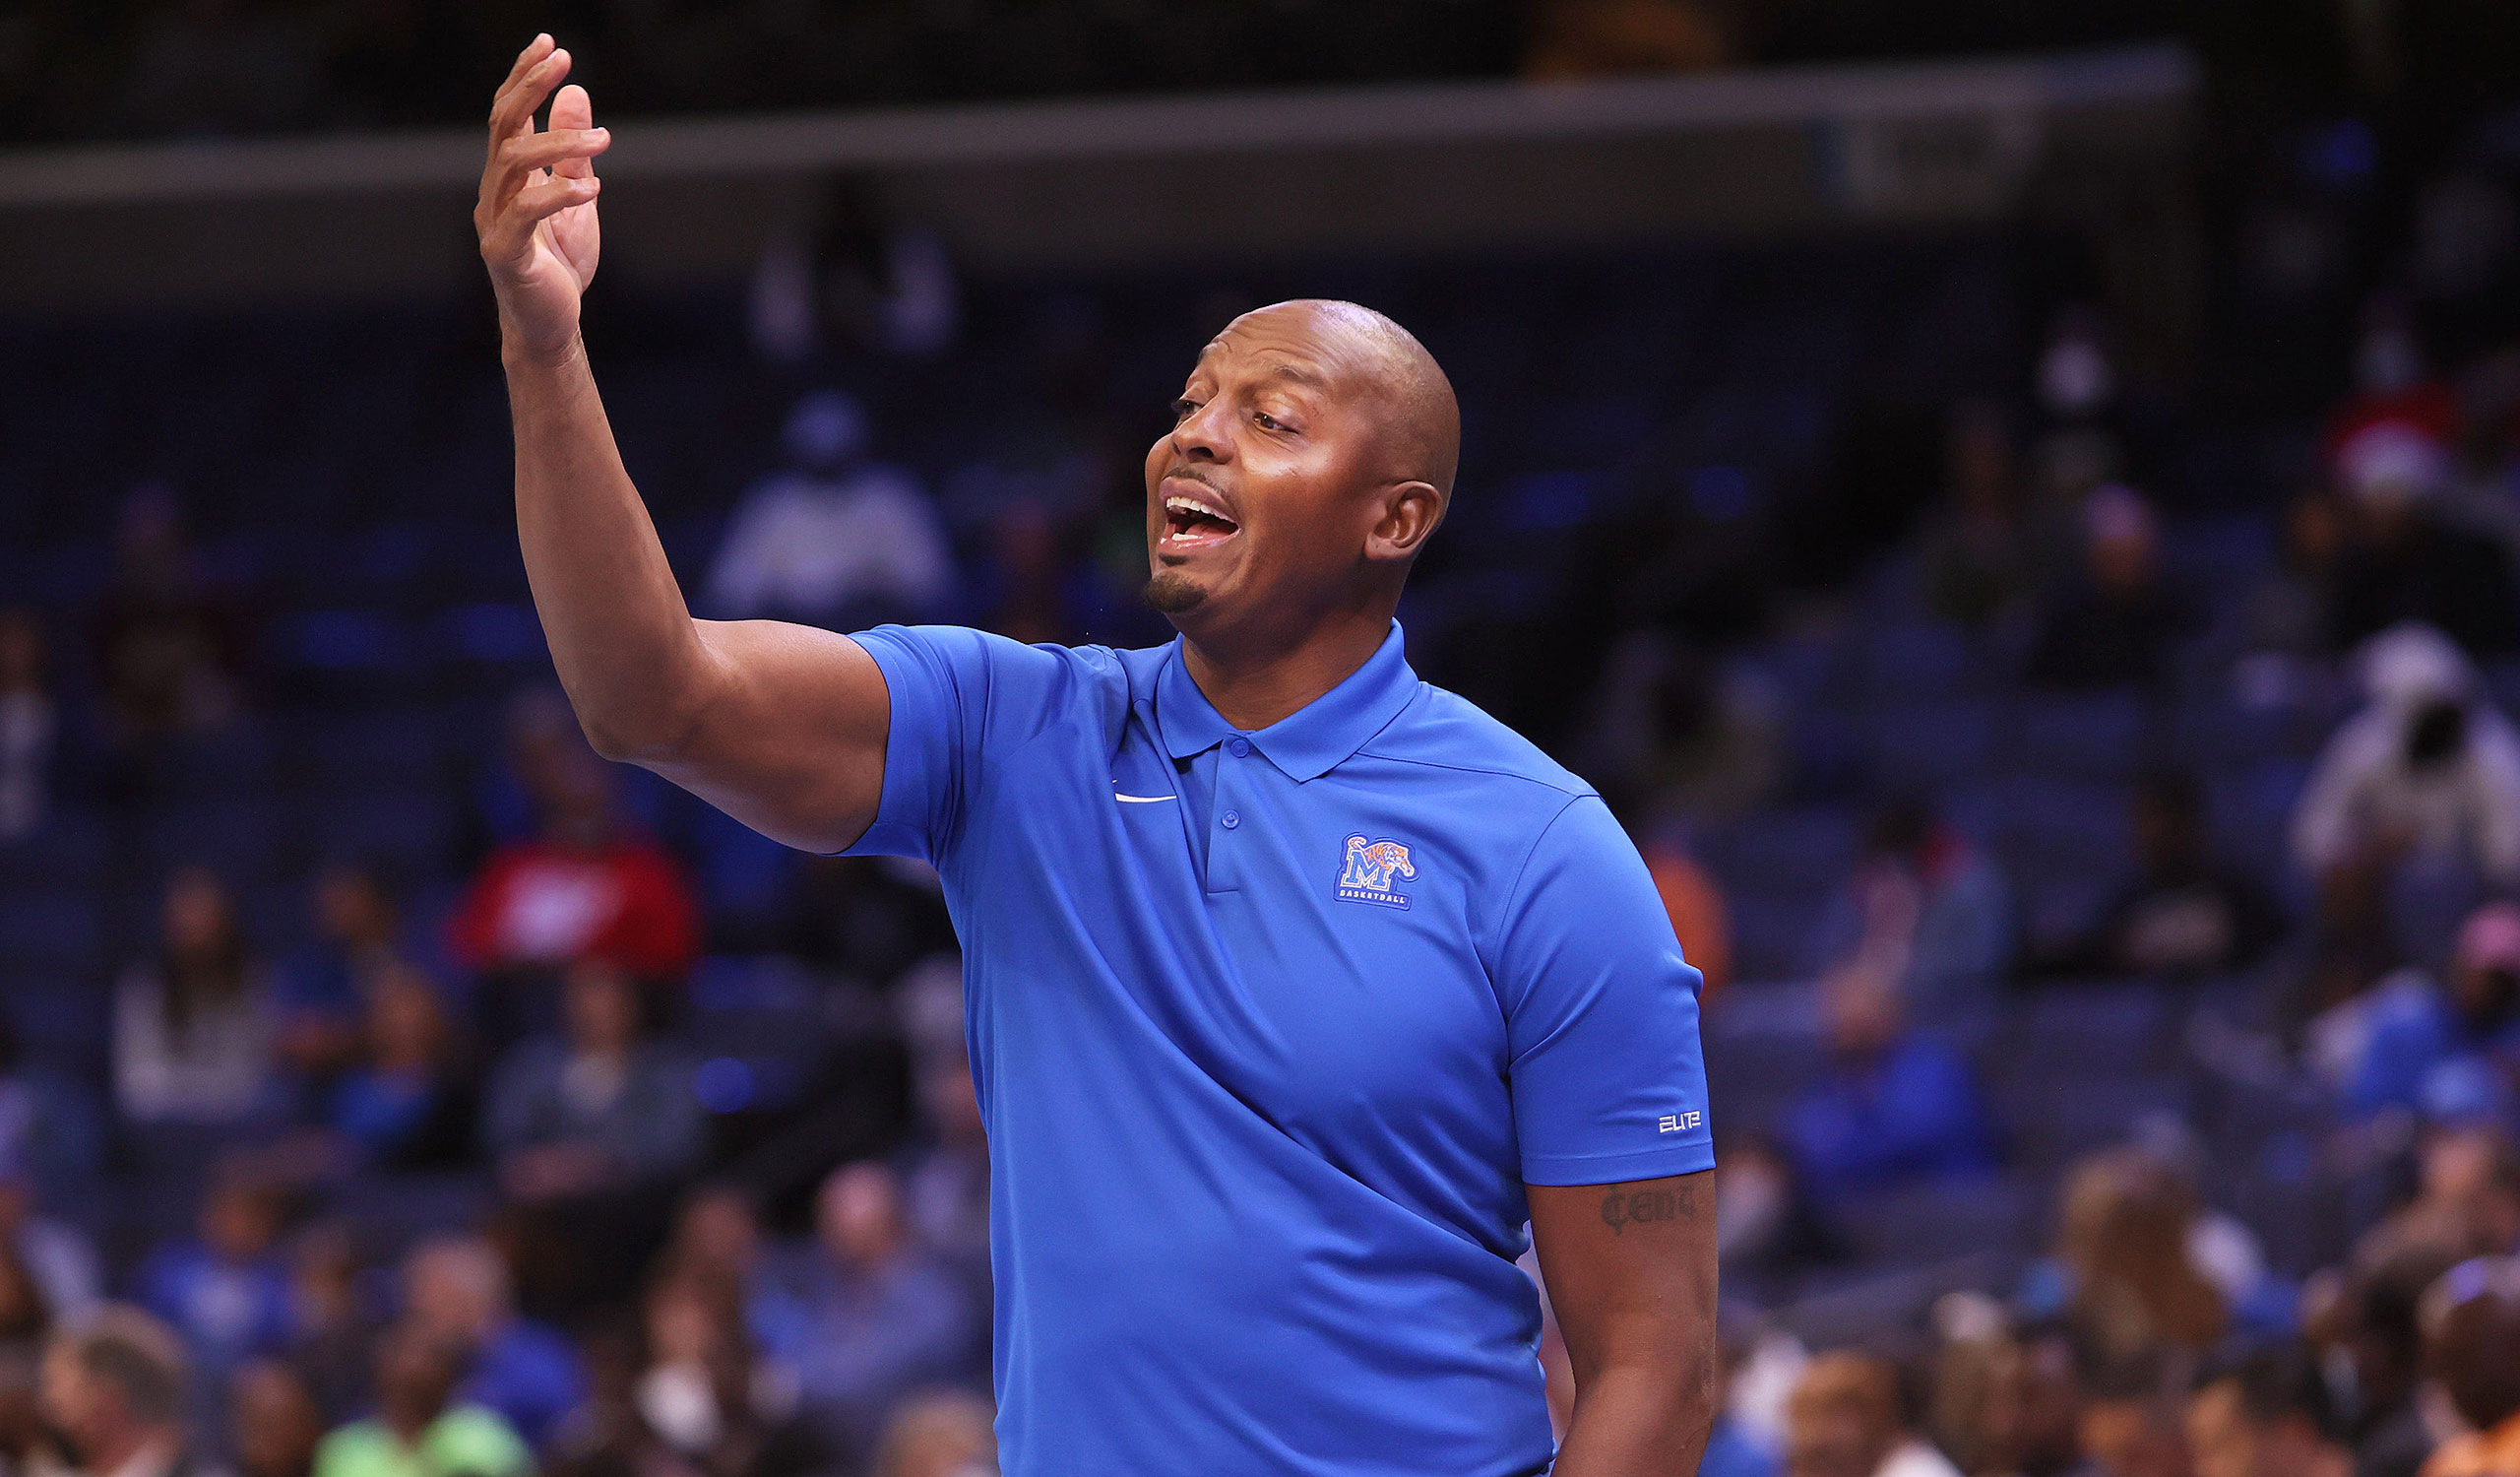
(1191, 473)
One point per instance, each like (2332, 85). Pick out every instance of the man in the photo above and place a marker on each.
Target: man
(1843, 1420)
(867, 1315)
(1294, 985)
(834, 533)
(2271, 1416)
(2472, 1350)
(456, 1292)
(419, 1428)
(276, 1423)
(114, 1389)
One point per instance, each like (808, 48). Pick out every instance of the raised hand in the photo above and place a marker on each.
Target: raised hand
(536, 215)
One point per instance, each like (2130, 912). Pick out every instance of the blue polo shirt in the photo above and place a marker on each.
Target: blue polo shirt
(1269, 1031)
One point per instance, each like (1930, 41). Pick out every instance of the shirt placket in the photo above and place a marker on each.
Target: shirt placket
(1228, 814)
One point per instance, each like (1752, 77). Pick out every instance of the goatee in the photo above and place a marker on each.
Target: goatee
(1171, 593)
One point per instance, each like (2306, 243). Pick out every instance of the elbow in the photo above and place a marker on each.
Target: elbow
(611, 740)
(664, 729)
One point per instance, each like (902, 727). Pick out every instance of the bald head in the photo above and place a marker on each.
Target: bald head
(1310, 457)
(1423, 420)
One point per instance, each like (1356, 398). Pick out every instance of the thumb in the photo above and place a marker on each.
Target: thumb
(572, 108)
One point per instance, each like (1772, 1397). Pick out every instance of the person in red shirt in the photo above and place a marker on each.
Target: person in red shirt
(586, 887)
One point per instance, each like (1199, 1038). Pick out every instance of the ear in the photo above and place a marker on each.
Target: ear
(1409, 513)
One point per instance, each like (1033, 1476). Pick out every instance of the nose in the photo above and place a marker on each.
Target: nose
(1205, 435)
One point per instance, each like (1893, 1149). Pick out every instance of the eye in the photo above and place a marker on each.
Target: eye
(1183, 408)
(1266, 422)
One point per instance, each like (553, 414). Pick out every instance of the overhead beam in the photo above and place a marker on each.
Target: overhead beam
(1020, 186)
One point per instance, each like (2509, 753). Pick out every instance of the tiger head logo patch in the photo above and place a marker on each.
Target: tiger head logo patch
(1372, 872)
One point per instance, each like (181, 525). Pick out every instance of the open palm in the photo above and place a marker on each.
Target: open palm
(537, 211)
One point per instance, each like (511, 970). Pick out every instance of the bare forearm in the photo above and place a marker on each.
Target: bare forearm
(620, 635)
(1631, 1273)
(1641, 1422)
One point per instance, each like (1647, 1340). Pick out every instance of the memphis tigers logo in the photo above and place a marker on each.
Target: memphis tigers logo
(1371, 871)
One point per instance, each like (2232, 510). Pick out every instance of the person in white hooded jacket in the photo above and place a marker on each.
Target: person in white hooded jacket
(2429, 769)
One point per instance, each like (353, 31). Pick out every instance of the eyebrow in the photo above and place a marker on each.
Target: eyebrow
(1298, 375)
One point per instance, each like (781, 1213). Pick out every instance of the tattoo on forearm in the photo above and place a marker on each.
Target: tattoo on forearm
(1622, 1208)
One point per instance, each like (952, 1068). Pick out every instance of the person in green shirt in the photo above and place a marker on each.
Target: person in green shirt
(419, 1430)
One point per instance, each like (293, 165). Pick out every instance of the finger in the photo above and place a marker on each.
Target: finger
(573, 112)
(514, 112)
(544, 151)
(538, 203)
(527, 60)
(511, 232)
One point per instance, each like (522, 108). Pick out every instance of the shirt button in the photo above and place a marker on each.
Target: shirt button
(1240, 749)
(1232, 818)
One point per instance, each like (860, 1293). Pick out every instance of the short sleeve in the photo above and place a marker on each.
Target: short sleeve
(955, 694)
(1602, 1025)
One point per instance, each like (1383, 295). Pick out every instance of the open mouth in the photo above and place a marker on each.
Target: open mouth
(1192, 523)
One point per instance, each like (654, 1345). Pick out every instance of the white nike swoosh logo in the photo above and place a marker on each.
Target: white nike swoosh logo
(1142, 799)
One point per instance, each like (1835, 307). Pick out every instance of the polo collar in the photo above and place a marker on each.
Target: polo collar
(1311, 741)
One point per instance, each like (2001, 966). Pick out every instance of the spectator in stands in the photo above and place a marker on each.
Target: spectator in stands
(596, 1109)
(2467, 1195)
(835, 539)
(1027, 586)
(334, 1323)
(30, 724)
(168, 654)
(2117, 624)
(277, 1422)
(115, 1389)
(2132, 1419)
(868, 1315)
(2393, 382)
(226, 1288)
(2419, 1038)
(2472, 1349)
(1896, 1106)
(456, 1294)
(25, 1317)
(192, 1028)
(1767, 1225)
(1844, 1420)
(405, 1105)
(2271, 1415)
(2005, 1405)
(2183, 913)
(320, 996)
(1974, 556)
(1924, 909)
(51, 1136)
(2130, 1273)
(2079, 447)
(2283, 619)
(718, 1231)
(2364, 1325)
(703, 1392)
(421, 1428)
(1694, 899)
(539, 743)
(58, 1256)
(2426, 771)
(1683, 738)
(27, 1442)
(2402, 560)
(945, 1178)
(586, 888)
(939, 1433)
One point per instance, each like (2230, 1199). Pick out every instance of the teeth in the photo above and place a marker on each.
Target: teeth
(1180, 504)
